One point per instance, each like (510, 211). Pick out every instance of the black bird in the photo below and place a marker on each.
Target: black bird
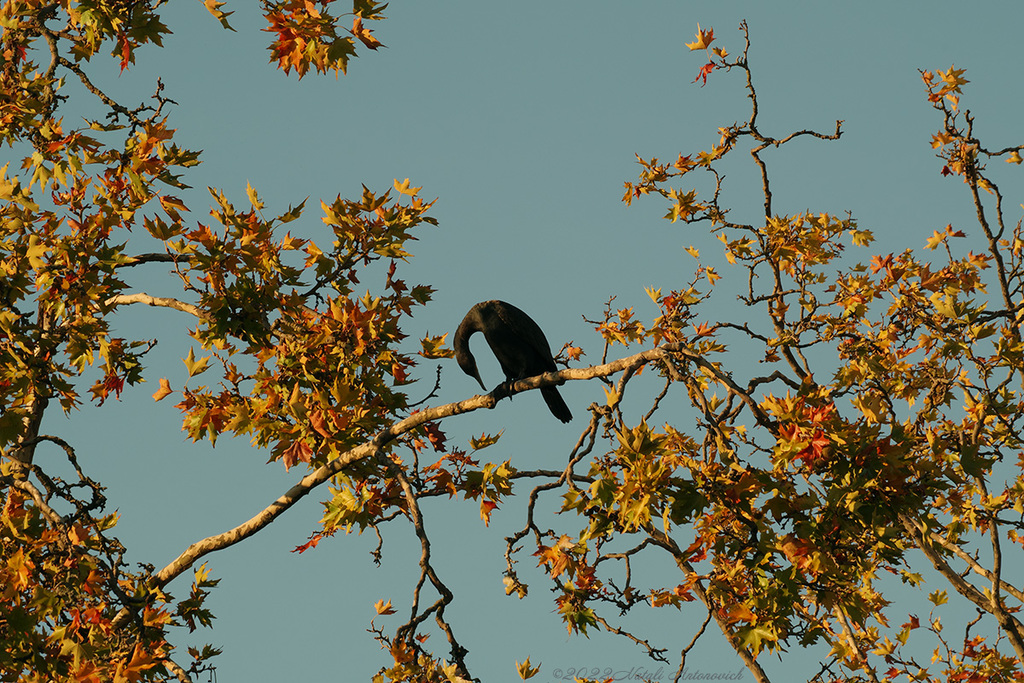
(517, 343)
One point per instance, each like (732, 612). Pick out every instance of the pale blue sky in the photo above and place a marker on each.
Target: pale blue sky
(523, 119)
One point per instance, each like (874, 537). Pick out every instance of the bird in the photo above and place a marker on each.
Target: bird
(517, 342)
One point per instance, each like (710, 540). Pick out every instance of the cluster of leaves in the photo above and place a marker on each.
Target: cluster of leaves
(798, 491)
(64, 578)
(309, 36)
(309, 367)
(325, 375)
(781, 505)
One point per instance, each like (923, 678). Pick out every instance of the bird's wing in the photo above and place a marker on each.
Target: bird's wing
(528, 331)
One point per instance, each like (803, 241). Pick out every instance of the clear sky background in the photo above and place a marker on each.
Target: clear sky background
(523, 119)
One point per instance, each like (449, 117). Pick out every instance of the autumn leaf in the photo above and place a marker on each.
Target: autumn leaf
(164, 390)
(214, 8)
(737, 612)
(364, 34)
(383, 607)
(77, 534)
(194, 366)
(404, 188)
(486, 508)
(703, 74)
(526, 671)
(254, 198)
(484, 440)
(704, 38)
(433, 347)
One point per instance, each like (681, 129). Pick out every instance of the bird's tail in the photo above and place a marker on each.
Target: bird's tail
(555, 403)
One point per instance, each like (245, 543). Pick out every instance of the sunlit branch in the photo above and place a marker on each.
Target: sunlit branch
(852, 639)
(407, 632)
(1011, 626)
(663, 540)
(166, 302)
(141, 259)
(376, 445)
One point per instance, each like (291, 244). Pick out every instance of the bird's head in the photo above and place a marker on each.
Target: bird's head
(468, 364)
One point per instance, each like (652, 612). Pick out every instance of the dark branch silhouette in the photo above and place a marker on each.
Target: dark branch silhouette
(517, 342)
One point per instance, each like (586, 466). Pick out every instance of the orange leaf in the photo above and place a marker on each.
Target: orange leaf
(318, 421)
(486, 508)
(77, 534)
(738, 613)
(383, 607)
(704, 72)
(164, 390)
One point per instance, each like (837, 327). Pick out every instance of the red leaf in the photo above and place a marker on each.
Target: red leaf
(704, 72)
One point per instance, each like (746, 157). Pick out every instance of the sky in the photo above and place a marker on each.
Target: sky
(523, 120)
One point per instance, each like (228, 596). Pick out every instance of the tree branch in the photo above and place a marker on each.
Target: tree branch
(375, 446)
(152, 258)
(1011, 626)
(143, 298)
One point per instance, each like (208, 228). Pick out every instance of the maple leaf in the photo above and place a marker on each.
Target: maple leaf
(704, 72)
(318, 422)
(525, 670)
(702, 330)
(704, 38)
(738, 612)
(383, 607)
(364, 35)
(404, 188)
(164, 390)
(484, 441)
(213, 7)
(486, 508)
(297, 452)
(77, 534)
(435, 436)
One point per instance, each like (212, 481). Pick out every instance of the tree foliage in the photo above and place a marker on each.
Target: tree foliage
(884, 429)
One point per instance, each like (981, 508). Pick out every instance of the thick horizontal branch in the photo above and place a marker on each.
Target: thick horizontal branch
(376, 445)
(143, 298)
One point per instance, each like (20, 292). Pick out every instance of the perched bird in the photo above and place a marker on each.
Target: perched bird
(517, 343)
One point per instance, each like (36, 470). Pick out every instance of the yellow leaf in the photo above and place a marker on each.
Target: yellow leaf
(254, 198)
(164, 390)
(214, 8)
(525, 670)
(1014, 158)
(194, 366)
(35, 250)
(404, 188)
(693, 251)
(383, 607)
(704, 39)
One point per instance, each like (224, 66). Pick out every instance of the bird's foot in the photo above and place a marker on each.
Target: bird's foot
(503, 390)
